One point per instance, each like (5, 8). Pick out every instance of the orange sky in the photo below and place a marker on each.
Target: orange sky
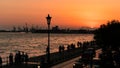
(65, 13)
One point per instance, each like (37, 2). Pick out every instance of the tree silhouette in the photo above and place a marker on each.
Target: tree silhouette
(108, 35)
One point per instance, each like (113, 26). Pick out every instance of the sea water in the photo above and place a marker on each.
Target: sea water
(35, 43)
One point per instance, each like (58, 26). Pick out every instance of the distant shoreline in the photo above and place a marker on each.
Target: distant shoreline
(56, 31)
(45, 32)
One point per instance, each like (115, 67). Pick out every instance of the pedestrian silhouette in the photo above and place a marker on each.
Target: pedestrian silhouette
(22, 57)
(60, 49)
(0, 62)
(18, 58)
(11, 59)
(26, 58)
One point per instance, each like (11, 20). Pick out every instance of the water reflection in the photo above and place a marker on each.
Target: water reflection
(35, 44)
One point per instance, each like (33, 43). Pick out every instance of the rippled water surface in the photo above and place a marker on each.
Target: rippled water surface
(35, 44)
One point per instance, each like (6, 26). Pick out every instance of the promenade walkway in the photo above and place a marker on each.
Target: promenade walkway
(69, 63)
(59, 60)
(55, 58)
(66, 64)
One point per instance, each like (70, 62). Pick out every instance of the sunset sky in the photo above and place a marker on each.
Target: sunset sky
(65, 13)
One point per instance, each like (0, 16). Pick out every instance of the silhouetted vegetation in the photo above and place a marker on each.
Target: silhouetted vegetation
(108, 35)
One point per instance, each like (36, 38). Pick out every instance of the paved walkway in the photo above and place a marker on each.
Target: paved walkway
(61, 60)
(67, 64)
(56, 58)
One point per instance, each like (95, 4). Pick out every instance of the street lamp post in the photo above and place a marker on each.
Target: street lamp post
(48, 47)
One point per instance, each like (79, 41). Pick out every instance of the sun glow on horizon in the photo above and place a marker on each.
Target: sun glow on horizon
(66, 13)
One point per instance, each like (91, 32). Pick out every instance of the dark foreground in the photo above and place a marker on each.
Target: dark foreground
(56, 58)
(21, 66)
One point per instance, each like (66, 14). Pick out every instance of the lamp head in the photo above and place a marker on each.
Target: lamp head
(48, 19)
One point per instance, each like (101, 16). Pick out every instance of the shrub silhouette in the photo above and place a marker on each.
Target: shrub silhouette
(108, 35)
